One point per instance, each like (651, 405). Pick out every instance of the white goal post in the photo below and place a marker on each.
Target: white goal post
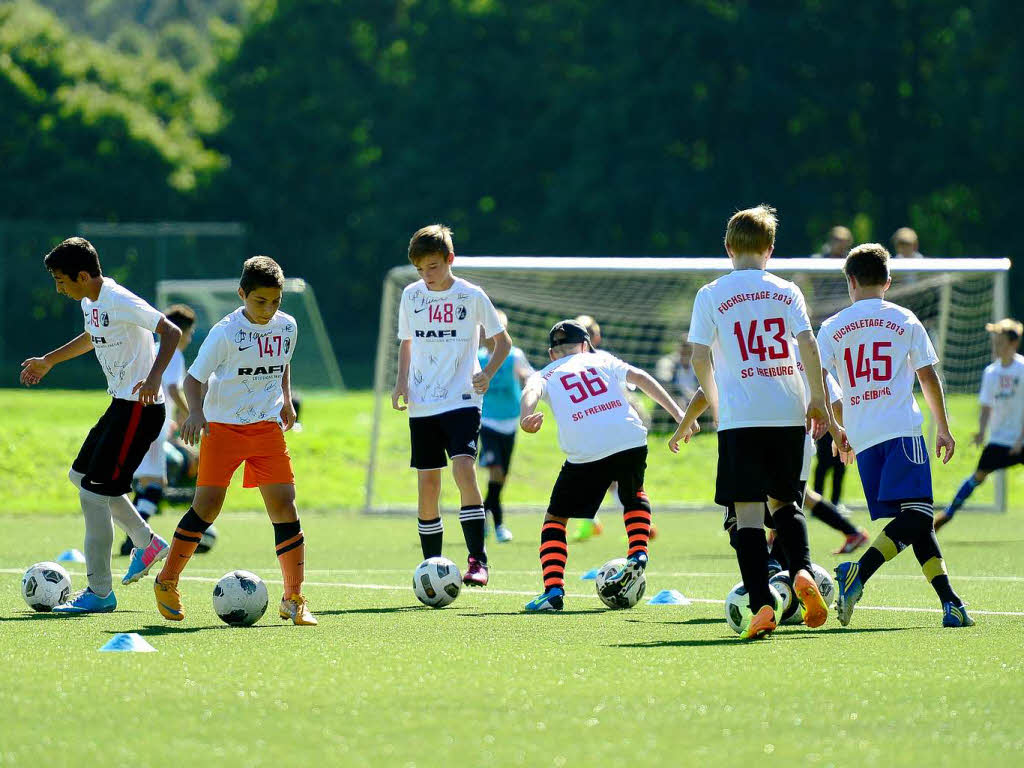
(643, 306)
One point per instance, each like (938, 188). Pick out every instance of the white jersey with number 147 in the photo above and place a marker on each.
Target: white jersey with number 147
(587, 395)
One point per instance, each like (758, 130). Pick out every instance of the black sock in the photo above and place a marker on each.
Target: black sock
(147, 500)
(493, 502)
(926, 549)
(833, 518)
(472, 519)
(752, 555)
(431, 537)
(838, 471)
(791, 530)
(894, 538)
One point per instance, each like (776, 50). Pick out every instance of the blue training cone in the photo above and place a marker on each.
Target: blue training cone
(71, 556)
(128, 641)
(669, 597)
(590, 575)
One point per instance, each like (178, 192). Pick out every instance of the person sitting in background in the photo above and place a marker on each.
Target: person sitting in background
(676, 374)
(905, 244)
(840, 240)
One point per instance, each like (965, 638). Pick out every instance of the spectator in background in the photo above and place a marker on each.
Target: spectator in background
(905, 245)
(840, 240)
(677, 375)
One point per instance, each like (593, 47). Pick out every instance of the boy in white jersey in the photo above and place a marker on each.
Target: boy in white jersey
(440, 381)
(875, 347)
(1002, 406)
(119, 326)
(151, 475)
(246, 360)
(605, 442)
(750, 317)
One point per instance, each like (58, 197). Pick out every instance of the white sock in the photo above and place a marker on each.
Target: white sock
(99, 538)
(130, 521)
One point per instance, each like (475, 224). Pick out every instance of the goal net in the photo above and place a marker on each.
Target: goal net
(643, 307)
(314, 365)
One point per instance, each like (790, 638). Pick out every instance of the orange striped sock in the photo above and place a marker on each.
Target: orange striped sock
(638, 528)
(554, 553)
(186, 539)
(291, 554)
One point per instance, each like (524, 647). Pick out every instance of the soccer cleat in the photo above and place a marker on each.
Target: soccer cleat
(761, 624)
(629, 573)
(502, 534)
(144, 559)
(813, 608)
(88, 601)
(849, 590)
(552, 600)
(955, 616)
(941, 518)
(476, 574)
(168, 600)
(853, 542)
(297, 609)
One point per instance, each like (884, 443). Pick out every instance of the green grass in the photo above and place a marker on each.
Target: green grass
(46, 428)
(384, 682)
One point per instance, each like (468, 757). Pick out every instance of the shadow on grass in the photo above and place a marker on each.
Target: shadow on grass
(532, 613)
(157, 630)
(777, 636)
(687, 621)
(394, 609)
(953, 543)
(40, 616)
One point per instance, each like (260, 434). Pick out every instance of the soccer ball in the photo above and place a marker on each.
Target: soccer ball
(737, 611)
(209, 538)
(437, 582)
(45, 585)
(826, 586)
(240, 598)
(626, 599)
(790, 605)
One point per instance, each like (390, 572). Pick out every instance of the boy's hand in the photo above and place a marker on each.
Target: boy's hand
(288, 414)
(193, 428)
(400, 392)
(817, 421)
(684, 432)
(533, 422)
(33, 370)
(148, 390)
(481, 382)
(978, 438)
(944, 440)
(841, 445)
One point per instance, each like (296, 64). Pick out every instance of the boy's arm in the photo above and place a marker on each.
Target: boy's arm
(502, 346)
(33, 369)
(931, 388)
(149, 390)
(688, 427)
(192, 429)
(530, 419)
(287, 409)
(401, 389)
(702, 366)
(178, 398)
(653, 389)
(818, 418)
(983, 418)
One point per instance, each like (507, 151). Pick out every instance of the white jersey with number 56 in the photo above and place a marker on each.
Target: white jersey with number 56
(587, 396)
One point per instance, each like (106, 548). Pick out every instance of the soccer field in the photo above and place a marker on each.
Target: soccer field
(385, 682)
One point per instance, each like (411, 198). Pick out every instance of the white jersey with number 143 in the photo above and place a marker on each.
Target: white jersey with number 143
(587, 396)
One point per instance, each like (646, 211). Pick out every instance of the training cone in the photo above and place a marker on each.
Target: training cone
(128, 641)
(71, 556)
(669, 597)
(590, 575)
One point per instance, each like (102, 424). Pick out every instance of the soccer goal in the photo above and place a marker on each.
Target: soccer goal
(643, 306)
(314, 365)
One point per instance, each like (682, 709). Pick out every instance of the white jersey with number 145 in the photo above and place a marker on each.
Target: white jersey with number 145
(587, 396)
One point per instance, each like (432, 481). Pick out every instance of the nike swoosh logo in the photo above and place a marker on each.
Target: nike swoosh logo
(242, 349)
(417, 311)
(169, 609)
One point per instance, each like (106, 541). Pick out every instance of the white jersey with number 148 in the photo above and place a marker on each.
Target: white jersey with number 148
(587, 396)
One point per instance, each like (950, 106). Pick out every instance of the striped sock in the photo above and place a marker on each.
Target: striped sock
(291, 555)
(638, 524)
(553, 554)
(431, 537)
(186, 538)
(473, 519)
(895, 537)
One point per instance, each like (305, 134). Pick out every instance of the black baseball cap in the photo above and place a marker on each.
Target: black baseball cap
(567, 332)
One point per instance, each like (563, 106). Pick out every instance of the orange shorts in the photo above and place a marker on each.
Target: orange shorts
(261, 446)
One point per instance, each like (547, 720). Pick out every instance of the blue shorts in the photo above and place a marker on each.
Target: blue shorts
(894, 472)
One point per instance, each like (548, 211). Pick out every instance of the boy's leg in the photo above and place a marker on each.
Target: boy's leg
(492, 502)
(205, 507)
(752, 557)
(431, 529)
(928, 554)
(471, 514)
(554, 552)
(962, 494)
(838, 473)
(290, 545)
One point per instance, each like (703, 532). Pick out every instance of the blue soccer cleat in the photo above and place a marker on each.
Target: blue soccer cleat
(552, 600)
(144, 559)
(88, 601)
(502, 534)
(849, 590)
(955, 616)
(620, 582)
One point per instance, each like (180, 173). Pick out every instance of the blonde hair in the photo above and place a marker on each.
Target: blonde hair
(751, 231)
(905, 235)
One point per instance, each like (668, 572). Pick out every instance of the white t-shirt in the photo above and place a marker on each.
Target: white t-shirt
(749, 318)
(874, 347)
(245, 364)
(121, 326)
(174, 373)
(1002, 390)
(832, 392)
(444, 327)
(587, 395)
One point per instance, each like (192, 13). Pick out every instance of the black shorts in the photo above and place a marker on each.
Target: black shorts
(755, 463)
(452, 432)
(998, 457)
(115, 447)
(496, 448)
(729, 520)
(580, 488)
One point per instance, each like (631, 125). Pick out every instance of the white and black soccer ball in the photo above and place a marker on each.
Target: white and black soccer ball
(208, 539)
(737, 608)
(240, 598)
(629, 597)
(826, 586)
(783, 584)
(437, 582)
(45, 585)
